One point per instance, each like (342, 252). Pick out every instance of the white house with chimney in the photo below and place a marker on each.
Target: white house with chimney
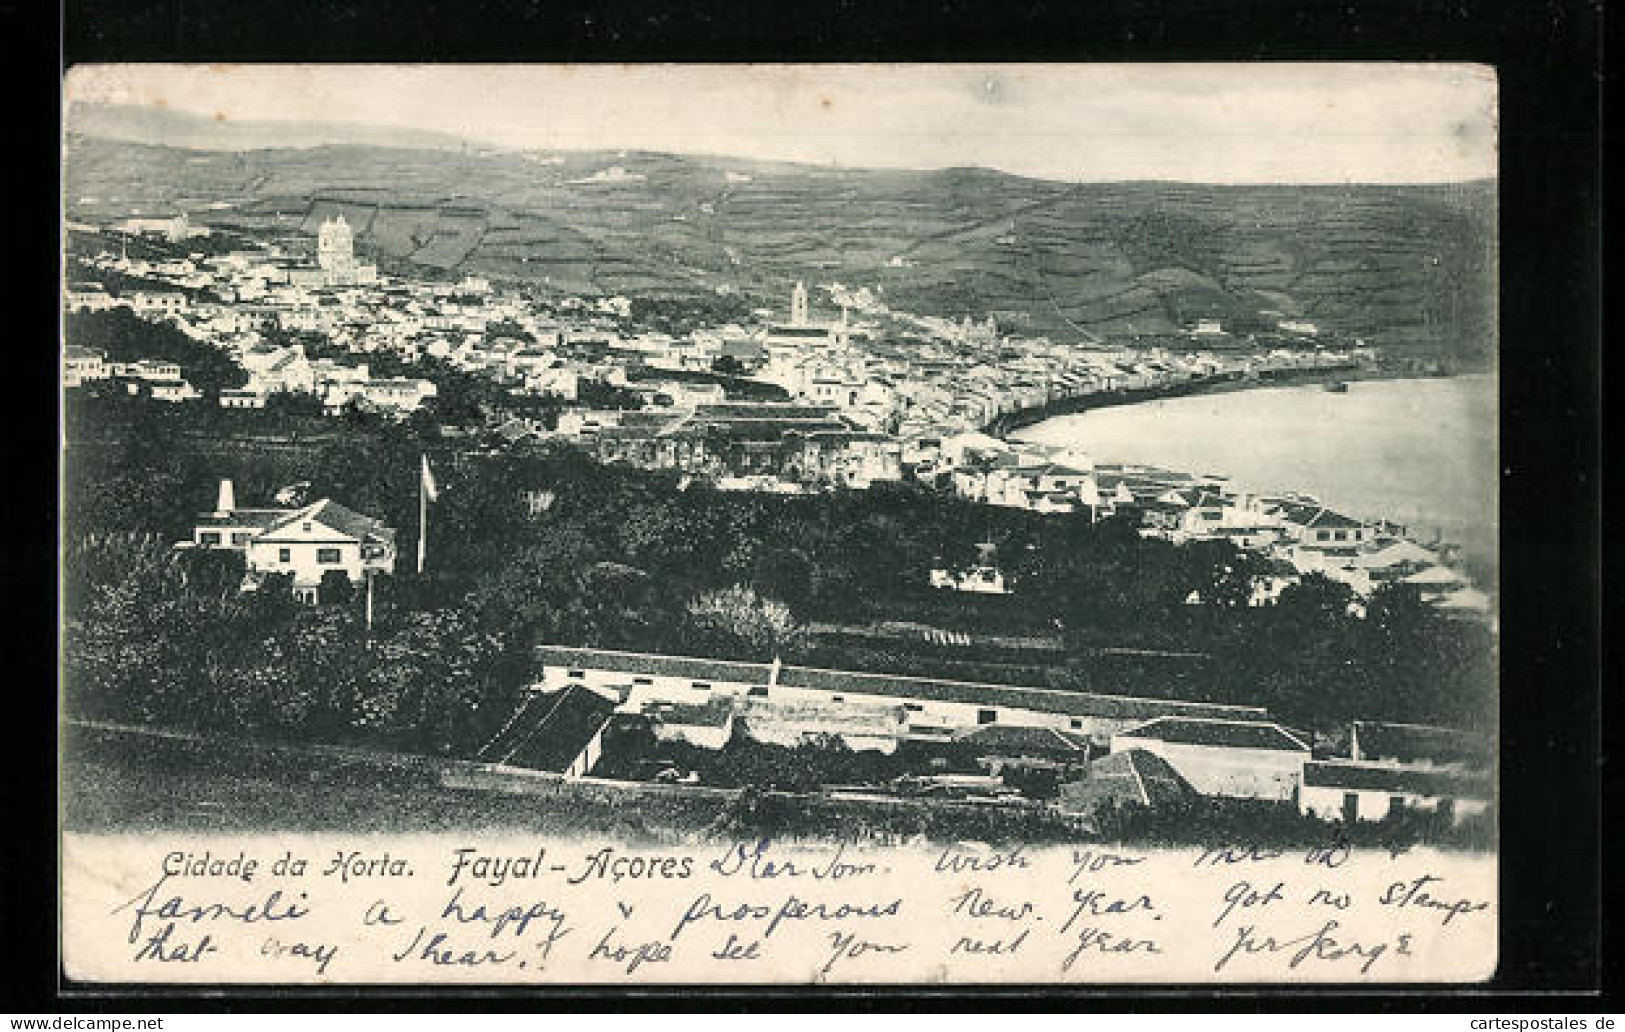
(306, 542)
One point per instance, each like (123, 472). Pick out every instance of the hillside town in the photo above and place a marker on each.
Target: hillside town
(799, 402)
(865, 398)
(879, 372)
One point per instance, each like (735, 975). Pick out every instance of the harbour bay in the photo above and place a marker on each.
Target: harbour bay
(1419, 451)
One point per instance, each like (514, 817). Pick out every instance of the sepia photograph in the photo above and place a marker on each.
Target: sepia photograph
(792, 524)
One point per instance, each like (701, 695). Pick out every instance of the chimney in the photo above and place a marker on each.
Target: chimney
(227, 501)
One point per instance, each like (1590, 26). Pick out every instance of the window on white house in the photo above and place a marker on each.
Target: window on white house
(307, 528)
(643, 680)
(240, 538)
(209, 537)
(284, 555)
(328, 556)
(986, 716)
(701, 686)
(1076, 724)
(578, 674)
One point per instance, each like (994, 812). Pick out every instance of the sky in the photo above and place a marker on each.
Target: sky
(1237, 123)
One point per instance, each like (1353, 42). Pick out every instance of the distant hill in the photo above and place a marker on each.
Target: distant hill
(1395, 264)
(165, 127)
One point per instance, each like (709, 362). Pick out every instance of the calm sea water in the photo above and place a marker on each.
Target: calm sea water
(1419, 451)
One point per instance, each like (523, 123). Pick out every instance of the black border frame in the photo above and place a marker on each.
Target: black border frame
(1548, 57)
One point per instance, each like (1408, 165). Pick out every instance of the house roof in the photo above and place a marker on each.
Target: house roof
(1134, 775)
(346, 521)
(1434, 575)
(1220, 734)
(1371, 777)
(713, 714)
(1467, 599)
(1056, 469)
(261, 518)
(1029, 741)
(1043, 700)
(1395, 552)
(1411, 743)
(1326, 518)
(553, 729)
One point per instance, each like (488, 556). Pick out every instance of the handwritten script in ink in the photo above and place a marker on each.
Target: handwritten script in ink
(446, 909)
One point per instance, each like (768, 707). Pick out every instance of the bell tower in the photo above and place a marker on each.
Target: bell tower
(798, 305)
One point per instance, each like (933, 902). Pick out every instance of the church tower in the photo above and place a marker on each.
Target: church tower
(335, 249)
(798, 305)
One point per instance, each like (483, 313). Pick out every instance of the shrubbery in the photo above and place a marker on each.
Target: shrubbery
(623, 558)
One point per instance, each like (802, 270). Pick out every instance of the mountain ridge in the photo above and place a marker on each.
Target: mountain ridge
(1401, 264)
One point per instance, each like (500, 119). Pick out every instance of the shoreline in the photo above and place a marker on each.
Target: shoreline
(1480, 547)
(1005, 424)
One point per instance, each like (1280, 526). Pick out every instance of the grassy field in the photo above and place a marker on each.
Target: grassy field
(126, 781)
(132, 781)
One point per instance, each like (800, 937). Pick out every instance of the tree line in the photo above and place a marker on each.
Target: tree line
(548, 546)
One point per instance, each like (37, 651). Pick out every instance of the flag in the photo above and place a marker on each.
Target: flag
(427, 493)
(429, 490)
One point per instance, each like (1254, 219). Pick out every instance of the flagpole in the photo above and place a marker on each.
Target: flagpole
(423, 516)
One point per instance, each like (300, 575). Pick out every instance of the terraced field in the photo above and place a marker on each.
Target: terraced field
(1409, 265)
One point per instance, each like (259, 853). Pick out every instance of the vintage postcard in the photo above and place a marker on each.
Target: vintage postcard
(779, 524)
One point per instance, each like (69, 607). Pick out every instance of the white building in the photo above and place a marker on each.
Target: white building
(173, 229)
(172, 390)
(306, 542)
(81, 365)
(242, 398)
(149, 369)
(798, 305)
(1237, 759)
(335, 247)
(399, 395)
(159, 303)
(335, 255)
(861, 707)
(1354, 791)
(272, 369)
(978, 580)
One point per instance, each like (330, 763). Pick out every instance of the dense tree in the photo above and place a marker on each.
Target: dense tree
(629, 559)
(335, 588)
(125, 337)
(736, 622)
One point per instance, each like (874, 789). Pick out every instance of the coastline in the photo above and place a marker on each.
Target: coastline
(1370, 480)
(1007, 423)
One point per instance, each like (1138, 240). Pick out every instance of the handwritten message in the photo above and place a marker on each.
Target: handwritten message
(446, 909)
